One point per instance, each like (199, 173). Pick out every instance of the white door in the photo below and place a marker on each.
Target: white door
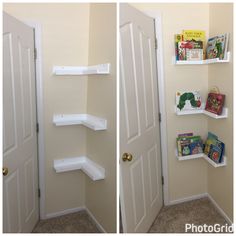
(141, 185)
(20, 184)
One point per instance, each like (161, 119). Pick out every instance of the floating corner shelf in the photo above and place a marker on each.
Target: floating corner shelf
(92, 122)
(101, 69)
(203, 111)
(89, 167)
(202, 155)
(223, 115)
(202, 62)
(223, 163)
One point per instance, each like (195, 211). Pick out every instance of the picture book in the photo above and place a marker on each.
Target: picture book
(188, 100)
(217, 151)
(217, 47)
(196, 147)
(186, 47)
(194, 54)
(178, 38)
(189, 145)
(211, 139)
(215, 103)
(196, 35)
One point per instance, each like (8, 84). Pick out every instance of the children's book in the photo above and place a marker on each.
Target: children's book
(186, 48)
(188, 100)
(215, 103)
(189, 145)
(194, 54)
(217, 47)
(211, 139)
(178, 38)
(196, 35)
(217, 151)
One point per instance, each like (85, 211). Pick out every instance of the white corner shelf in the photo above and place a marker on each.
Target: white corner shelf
(89, 167)
(190, 157)
(202, 155)
(92, 122)
(202, 62)
(203, 111)
(223, 163)
(82, 70)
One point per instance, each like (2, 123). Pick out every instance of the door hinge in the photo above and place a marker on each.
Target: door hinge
(162, 180)
(156, 44)
(159, 116)
(35, 53)
(39, 193)
(37, 127)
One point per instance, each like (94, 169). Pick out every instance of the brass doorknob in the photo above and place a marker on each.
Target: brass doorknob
(127, 157)
(4, 171)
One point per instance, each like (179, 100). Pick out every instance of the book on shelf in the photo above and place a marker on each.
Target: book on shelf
(194, 35)
(178, 38)
(217, 47)
(217, 151)
(214, 148)
(189, 100)
(189, 145)
(189, 45)
(215, 103)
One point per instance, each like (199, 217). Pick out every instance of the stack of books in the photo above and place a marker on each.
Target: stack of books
(188, 144)
(189, 45)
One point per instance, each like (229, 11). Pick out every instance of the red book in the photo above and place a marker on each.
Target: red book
(215, 103)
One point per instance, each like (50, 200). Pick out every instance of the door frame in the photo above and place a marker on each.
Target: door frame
(39, 114)
(157, 17)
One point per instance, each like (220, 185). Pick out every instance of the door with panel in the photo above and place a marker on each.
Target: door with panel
(140, 161)
(20, 164)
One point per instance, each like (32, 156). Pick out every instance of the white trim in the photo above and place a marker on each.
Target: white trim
(95, 221)
(162, 103)
(187, 199)
(64, 212)
(40, 115)
(220, 210)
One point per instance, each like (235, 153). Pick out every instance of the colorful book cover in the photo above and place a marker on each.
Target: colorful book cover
(188, 100)
(185, 46)
(217, 151)
(189, 145)
(194, 54)
(211, 139)
(196, 35)
(217, 47)
(178, 38)
(196, 147)
(215, 103)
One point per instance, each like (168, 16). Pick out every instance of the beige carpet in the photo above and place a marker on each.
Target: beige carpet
(79, 222)
(172, 219)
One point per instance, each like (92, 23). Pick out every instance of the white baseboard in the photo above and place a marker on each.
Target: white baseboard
(187, 199)
(220, 210)
(95, 220)
(64, 212)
